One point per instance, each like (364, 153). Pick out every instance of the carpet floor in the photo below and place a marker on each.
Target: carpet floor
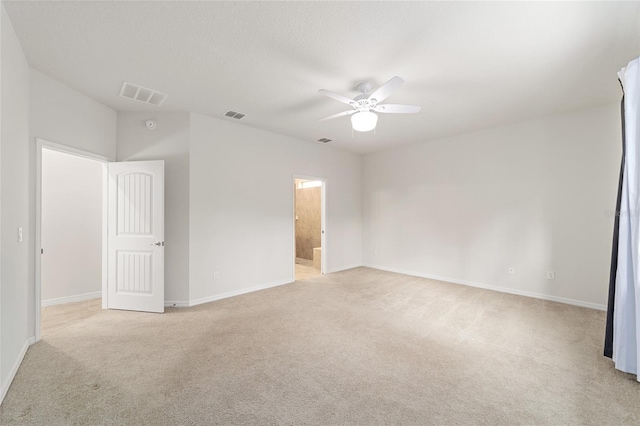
(357, 347)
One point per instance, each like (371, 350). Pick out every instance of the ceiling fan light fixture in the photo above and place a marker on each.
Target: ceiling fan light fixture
(364, 121)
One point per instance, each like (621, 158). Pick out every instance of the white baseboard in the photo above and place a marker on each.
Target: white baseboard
(496, 288)
(14, 368)
(69, 299)
(343, 268)
(176, 304)
(182, 304)
(186, 304)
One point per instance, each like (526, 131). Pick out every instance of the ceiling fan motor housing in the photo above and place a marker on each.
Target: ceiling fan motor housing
(364, 102)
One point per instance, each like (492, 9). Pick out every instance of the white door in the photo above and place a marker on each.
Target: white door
(136, 236)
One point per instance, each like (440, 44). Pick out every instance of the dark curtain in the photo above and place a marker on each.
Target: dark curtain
(608, 336)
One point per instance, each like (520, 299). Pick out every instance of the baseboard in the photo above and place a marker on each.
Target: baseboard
(14, 368)
(495, 288)
(176, 304)
(182, 304)
(69, 299)
(186, 304)
(343, 268)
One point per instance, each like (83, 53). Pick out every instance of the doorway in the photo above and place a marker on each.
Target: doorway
(70, 236)
(309, 195)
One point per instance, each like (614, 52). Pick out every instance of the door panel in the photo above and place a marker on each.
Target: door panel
(136, 236)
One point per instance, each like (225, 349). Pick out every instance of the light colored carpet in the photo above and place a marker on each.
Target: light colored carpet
(357, 347)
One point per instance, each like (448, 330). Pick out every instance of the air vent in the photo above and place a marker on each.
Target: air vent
(142, 94)
(324, 140)
(234, 114)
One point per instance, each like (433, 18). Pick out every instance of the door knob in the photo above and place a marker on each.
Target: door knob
(159, 243)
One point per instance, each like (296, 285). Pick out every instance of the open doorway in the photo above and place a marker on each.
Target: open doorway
(309, 196)
(70, 236)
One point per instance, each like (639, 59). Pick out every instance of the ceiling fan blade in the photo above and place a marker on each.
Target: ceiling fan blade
(340, 114)
(386, 89)
(397, 109)
(337, 97)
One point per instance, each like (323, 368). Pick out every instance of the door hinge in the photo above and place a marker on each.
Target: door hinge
(41, 251)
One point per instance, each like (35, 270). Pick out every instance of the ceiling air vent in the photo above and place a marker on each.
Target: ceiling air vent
(324, 140)
(142, 94)
(234, 114)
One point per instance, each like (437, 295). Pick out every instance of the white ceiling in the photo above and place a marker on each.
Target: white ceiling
(470, 65)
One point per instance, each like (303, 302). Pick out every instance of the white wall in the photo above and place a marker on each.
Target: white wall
(65, 116)
(14, 202)
(169, 141)
(241, 206)
(3, 386)
(71, 265)
(532, 195)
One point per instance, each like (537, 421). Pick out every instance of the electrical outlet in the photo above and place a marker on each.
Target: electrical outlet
(512, 269)
(216, 275)
(551, 275)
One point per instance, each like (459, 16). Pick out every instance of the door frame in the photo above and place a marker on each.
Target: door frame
(323, 221)
(45, 144)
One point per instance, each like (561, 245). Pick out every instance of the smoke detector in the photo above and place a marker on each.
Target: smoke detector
(142, 94)
(151, 124)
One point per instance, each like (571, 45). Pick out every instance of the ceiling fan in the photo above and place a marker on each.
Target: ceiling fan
(365, 104)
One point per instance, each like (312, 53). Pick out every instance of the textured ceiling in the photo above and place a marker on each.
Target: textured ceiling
(470, 65)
